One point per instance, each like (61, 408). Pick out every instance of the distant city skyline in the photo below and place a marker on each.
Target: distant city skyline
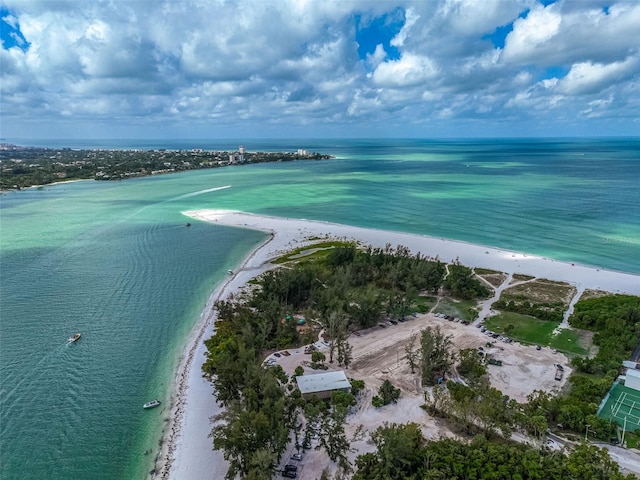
(312, 69)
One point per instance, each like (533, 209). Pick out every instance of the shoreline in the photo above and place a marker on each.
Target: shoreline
(186, 452)
(189, 377)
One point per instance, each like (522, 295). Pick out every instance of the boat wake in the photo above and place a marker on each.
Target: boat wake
(200, 192)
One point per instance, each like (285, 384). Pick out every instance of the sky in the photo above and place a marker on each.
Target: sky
(319, 68)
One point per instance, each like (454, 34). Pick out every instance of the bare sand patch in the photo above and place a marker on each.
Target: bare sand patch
(378, 354)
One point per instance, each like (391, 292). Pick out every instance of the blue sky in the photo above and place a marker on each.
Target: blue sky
(319, 68)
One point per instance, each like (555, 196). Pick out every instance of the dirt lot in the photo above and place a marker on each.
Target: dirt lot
(378, 354)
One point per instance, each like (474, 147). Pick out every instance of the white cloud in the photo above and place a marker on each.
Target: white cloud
(587, 77)
(540, 26)
(291, 63)
(410, 70)
(470, 17)
(377, 57)
(572, 32)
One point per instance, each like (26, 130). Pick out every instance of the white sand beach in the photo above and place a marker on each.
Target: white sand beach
(187, 450)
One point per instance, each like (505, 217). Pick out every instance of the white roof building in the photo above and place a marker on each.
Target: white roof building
(632, 379)
(322, 384)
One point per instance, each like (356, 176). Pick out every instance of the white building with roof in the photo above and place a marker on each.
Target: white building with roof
(322, 384)
(632, 379)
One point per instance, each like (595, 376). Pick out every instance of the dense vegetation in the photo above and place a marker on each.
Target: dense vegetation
(616, 321)
(462, 283)
(22, 167)
(343, 288)
(475, 407)
(338, 289)
(402, 453)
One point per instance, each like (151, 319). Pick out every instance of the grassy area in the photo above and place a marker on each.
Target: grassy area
(518, 277)
(464, 309)
(495, 279)
(422, 304)
(568, 341)
(314, 251)
(593, 294)
(486, 271)
(525, 329)
(530, 330)
(631, 439)
(541, 292)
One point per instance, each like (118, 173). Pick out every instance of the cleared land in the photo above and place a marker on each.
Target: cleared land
(378, 354)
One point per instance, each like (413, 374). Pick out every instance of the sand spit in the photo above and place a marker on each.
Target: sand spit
(186, 449)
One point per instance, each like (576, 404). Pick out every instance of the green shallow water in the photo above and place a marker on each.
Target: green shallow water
(115, 261)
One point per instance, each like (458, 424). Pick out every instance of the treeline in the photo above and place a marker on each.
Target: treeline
(347, 288)
(402, 453)
(22, 167)
(616, 321)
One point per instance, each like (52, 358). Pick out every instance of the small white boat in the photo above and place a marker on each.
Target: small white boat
(230, 272)
(151, 404)
(75, 338)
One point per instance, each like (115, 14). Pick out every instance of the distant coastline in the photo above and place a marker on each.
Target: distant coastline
(24, 167)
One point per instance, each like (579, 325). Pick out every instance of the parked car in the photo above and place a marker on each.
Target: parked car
(393, 322)
(296, 456)
(291, 468)
(289, 474)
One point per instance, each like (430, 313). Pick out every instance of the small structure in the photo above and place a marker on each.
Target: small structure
(632, 378)
(559, 374)
(322, 384)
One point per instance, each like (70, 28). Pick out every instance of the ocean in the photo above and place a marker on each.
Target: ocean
(115, 261)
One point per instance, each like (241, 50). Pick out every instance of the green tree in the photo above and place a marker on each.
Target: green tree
(333, 438)
(471, 365)
(387, 394)
(462, 283)
(399, 454)
(435, 354)
(412, 353)
(317, 358)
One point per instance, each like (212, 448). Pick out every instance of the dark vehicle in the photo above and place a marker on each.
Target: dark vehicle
(382, 325)
(538, 347)
(296, 456)
(277, 355)
(290, 468)
(289, 474)
(394, 322)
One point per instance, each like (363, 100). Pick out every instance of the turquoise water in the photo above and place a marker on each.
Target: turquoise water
(115, 261)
